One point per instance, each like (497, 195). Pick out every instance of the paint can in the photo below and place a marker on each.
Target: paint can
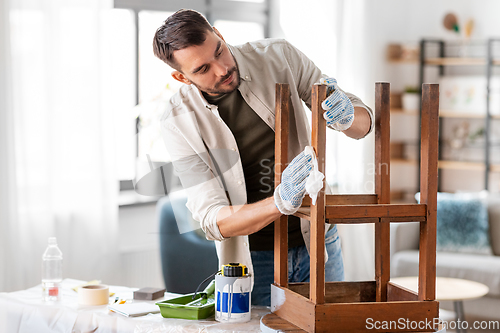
(233, 294)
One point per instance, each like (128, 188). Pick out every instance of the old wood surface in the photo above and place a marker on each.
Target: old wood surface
(293, 307)
(382, 186)
(317, 248)
(277, 324)
(402, 214)
(304, 212)
(341, 292)
(428, 190)
(396, 292)
(353, 317)
(379, 211)
(375, 220)
(345, 199)
(354, 221)
(273, 323)
(281, 158)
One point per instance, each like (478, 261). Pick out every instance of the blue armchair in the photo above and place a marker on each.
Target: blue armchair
(187, 258)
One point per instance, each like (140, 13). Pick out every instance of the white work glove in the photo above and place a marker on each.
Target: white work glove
(339, 112)
(289, 194)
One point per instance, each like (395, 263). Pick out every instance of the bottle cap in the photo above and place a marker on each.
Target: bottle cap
(234, 270)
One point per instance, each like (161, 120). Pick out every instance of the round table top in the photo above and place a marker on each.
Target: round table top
(447, 289)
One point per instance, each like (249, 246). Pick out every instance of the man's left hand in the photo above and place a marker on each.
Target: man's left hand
(339, 111)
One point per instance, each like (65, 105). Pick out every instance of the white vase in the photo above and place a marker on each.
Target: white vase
(411, 101)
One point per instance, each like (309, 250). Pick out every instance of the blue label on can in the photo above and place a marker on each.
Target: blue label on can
(241, 302)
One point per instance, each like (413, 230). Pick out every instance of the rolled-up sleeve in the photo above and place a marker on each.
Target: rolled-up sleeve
(206, 195)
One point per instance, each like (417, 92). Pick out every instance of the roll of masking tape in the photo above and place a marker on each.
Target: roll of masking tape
(94, 294)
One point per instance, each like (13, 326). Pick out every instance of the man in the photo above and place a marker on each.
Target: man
(219, 131)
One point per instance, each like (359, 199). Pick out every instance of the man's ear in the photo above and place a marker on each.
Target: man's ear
(218, 33)
(180, 77)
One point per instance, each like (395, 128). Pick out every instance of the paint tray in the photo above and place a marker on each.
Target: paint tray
(184, 307)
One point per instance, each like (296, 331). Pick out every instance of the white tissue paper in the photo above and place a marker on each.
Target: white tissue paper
(314, 182)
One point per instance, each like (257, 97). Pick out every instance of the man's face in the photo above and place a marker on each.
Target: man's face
(210, 67)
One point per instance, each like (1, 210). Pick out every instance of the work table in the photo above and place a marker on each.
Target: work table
(25, 312)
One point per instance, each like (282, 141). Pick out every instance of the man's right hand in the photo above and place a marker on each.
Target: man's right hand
(289, 194)
(339, 111)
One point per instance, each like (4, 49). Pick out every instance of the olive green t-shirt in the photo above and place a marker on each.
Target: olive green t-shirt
(255, 140)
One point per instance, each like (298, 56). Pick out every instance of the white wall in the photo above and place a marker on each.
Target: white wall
(409, 21)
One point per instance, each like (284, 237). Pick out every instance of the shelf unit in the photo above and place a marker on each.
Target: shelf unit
(442, 59)
(489, 73)
(454, 61)
(488, 63)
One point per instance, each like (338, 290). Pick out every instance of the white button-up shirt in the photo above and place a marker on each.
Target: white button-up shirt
(203, 149)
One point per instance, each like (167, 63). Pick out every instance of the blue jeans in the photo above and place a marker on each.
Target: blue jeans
(298, 267)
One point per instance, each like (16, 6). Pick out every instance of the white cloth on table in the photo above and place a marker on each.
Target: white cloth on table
(25, 312)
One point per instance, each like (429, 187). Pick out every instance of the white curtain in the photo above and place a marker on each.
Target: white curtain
(57, 151)
(335, 35)
(356, 169)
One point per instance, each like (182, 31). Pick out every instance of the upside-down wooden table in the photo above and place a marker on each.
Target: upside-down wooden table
(348, 306)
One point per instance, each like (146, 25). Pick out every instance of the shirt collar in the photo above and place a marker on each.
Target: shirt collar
(203, 100)
(240, 61)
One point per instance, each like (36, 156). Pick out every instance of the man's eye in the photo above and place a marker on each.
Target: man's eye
(204, 70)
(220, 52)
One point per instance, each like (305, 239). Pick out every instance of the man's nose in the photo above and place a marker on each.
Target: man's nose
(220, 69)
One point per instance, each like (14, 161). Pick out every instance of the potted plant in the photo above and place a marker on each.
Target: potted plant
(411, 98)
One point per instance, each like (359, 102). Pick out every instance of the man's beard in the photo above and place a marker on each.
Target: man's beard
(216, 89)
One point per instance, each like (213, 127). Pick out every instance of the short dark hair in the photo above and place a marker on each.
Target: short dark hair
(180, 30)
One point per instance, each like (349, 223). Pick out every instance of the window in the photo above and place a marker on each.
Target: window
(154, 74)
(235, 33)
(156, 85)
(143, 80)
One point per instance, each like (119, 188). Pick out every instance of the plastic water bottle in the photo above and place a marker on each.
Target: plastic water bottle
(52, 271)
